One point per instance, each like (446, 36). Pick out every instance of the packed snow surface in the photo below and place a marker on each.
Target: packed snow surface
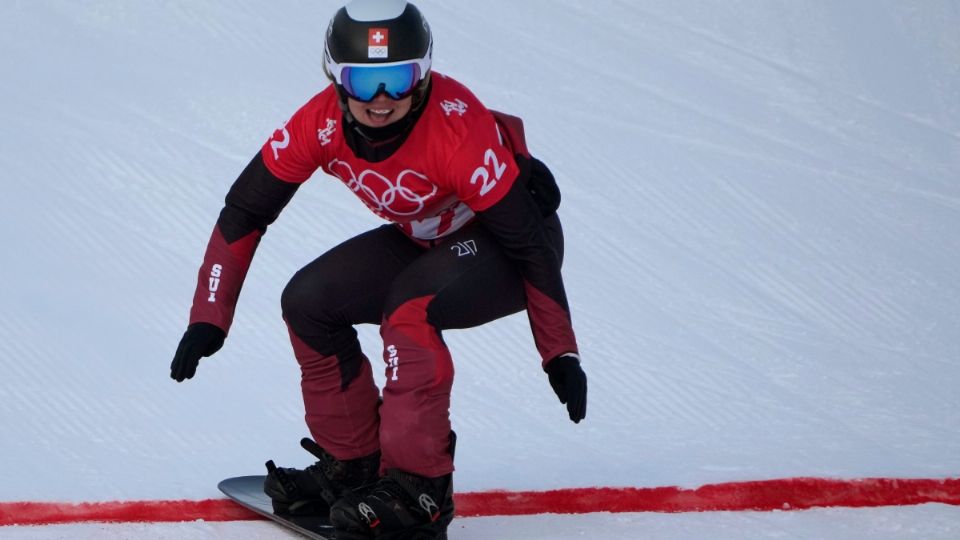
(762, 217)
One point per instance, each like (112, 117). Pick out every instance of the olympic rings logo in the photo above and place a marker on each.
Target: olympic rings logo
(395, 198)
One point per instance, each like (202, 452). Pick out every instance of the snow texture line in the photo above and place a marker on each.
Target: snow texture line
(762, 495)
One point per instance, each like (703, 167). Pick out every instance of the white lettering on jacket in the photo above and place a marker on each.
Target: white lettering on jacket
(214, 282)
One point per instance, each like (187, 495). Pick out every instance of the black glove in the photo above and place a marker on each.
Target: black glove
(570, 383)
(200, 339)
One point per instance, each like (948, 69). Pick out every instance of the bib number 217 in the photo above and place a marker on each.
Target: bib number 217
(482, 173)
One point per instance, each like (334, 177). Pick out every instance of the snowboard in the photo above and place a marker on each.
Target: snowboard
(247, 491)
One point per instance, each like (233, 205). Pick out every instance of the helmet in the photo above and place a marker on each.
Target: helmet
(378, 46)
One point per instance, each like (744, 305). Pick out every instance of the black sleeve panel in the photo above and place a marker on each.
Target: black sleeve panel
(254, 201)
(540, 183)
(517, 224)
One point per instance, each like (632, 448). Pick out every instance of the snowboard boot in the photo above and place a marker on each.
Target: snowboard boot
(400, 506)
(311, 491)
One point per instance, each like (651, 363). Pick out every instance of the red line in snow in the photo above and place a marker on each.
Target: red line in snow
(50, 513)
(781, 494)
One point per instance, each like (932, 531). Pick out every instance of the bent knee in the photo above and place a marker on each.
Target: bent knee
(295, 299)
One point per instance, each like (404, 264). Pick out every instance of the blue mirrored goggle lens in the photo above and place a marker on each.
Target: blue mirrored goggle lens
(363, 83)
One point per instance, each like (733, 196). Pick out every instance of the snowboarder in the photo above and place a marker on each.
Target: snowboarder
(474, 237)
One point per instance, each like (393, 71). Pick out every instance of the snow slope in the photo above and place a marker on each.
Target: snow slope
(761, 204)
(928, 522)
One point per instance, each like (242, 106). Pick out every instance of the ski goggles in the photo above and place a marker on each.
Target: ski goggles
(364, 82)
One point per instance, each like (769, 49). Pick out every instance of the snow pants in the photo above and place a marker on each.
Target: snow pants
(413, 292)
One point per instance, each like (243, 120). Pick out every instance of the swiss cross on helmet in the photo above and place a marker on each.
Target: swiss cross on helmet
(378, 47)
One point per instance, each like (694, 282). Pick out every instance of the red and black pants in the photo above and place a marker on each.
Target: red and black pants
(414, 293)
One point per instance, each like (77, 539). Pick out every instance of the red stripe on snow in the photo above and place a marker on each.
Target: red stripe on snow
(47, 513)
(783, 494)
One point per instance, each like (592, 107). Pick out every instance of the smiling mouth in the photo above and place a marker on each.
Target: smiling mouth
(379, 114)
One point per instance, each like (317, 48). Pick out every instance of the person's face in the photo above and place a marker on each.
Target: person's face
(380, 112)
